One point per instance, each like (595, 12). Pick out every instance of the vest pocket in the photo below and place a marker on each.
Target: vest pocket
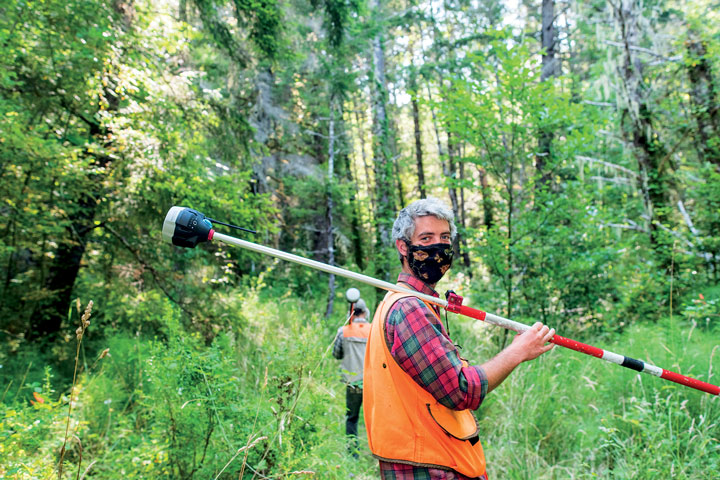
(458, 424)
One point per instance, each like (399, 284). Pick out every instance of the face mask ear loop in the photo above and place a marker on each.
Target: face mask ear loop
(406, 257)
(447, 324)
(447, 327)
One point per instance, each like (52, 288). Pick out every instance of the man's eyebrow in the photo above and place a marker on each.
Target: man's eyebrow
(447, 232)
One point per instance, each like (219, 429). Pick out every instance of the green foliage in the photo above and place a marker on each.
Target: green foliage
(702, 308)
(117, 142)
(52, 146)
(183, 409)
(337, 15)
(179, 409)
(266, 23)
(544, 254)
(705, 198)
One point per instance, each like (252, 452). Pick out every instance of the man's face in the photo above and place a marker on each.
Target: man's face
(428, 231)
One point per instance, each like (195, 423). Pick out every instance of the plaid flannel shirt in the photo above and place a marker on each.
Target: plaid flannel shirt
(419, 343)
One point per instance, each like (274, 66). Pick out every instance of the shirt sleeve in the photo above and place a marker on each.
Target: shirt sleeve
(338, 345)
(418, 344)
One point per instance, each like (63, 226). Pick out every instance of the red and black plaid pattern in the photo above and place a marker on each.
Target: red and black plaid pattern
(399, 471)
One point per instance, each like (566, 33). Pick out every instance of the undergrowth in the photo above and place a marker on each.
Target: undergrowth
(264, 400)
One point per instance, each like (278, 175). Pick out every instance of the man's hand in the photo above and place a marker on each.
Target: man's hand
(525, 346)
(532, 342)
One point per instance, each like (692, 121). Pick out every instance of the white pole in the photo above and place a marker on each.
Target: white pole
(326, 268)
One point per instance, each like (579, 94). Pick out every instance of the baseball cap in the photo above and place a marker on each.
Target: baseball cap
(360, 305)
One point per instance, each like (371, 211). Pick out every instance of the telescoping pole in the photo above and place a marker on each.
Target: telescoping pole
(611, 357)
(187, 229)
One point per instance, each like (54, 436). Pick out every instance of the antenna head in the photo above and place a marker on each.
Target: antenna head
(186, 227)
(352, 295)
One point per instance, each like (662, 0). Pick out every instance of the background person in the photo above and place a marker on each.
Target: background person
(349, 346)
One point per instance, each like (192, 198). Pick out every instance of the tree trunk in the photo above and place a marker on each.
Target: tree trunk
(637, 123)
(385, 205)
(449, 166)
(363, 155)
(330, 206)
(463, 240)
(549, 69)
(398, 181)
(418, 134)
(350, 176)
(508, 277)
(48, 314)
(550, 64)
(393, 147)
(705, 102)
(486, 198)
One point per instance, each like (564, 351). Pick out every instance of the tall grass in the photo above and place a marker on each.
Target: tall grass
(568, 415)
(79, 333)
(264, 400)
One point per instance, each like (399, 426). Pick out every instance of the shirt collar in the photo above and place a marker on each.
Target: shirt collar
(417, 284)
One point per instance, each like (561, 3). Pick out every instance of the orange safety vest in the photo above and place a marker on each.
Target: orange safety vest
(404, 422)
(356, 330)
(355, 337)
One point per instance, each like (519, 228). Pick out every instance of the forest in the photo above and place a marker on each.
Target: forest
(577, 143)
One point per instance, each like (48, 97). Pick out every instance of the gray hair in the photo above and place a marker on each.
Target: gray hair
(404, 226)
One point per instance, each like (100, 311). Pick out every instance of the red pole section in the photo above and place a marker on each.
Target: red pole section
(690, 382)
(577, 346)
(627, 362)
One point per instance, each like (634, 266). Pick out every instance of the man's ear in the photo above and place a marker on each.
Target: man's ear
(402, 247)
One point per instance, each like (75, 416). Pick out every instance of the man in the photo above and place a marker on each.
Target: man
(349, 346)
(419, 393)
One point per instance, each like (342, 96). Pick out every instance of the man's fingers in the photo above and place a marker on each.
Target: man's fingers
(542, 334)
(549, 335)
